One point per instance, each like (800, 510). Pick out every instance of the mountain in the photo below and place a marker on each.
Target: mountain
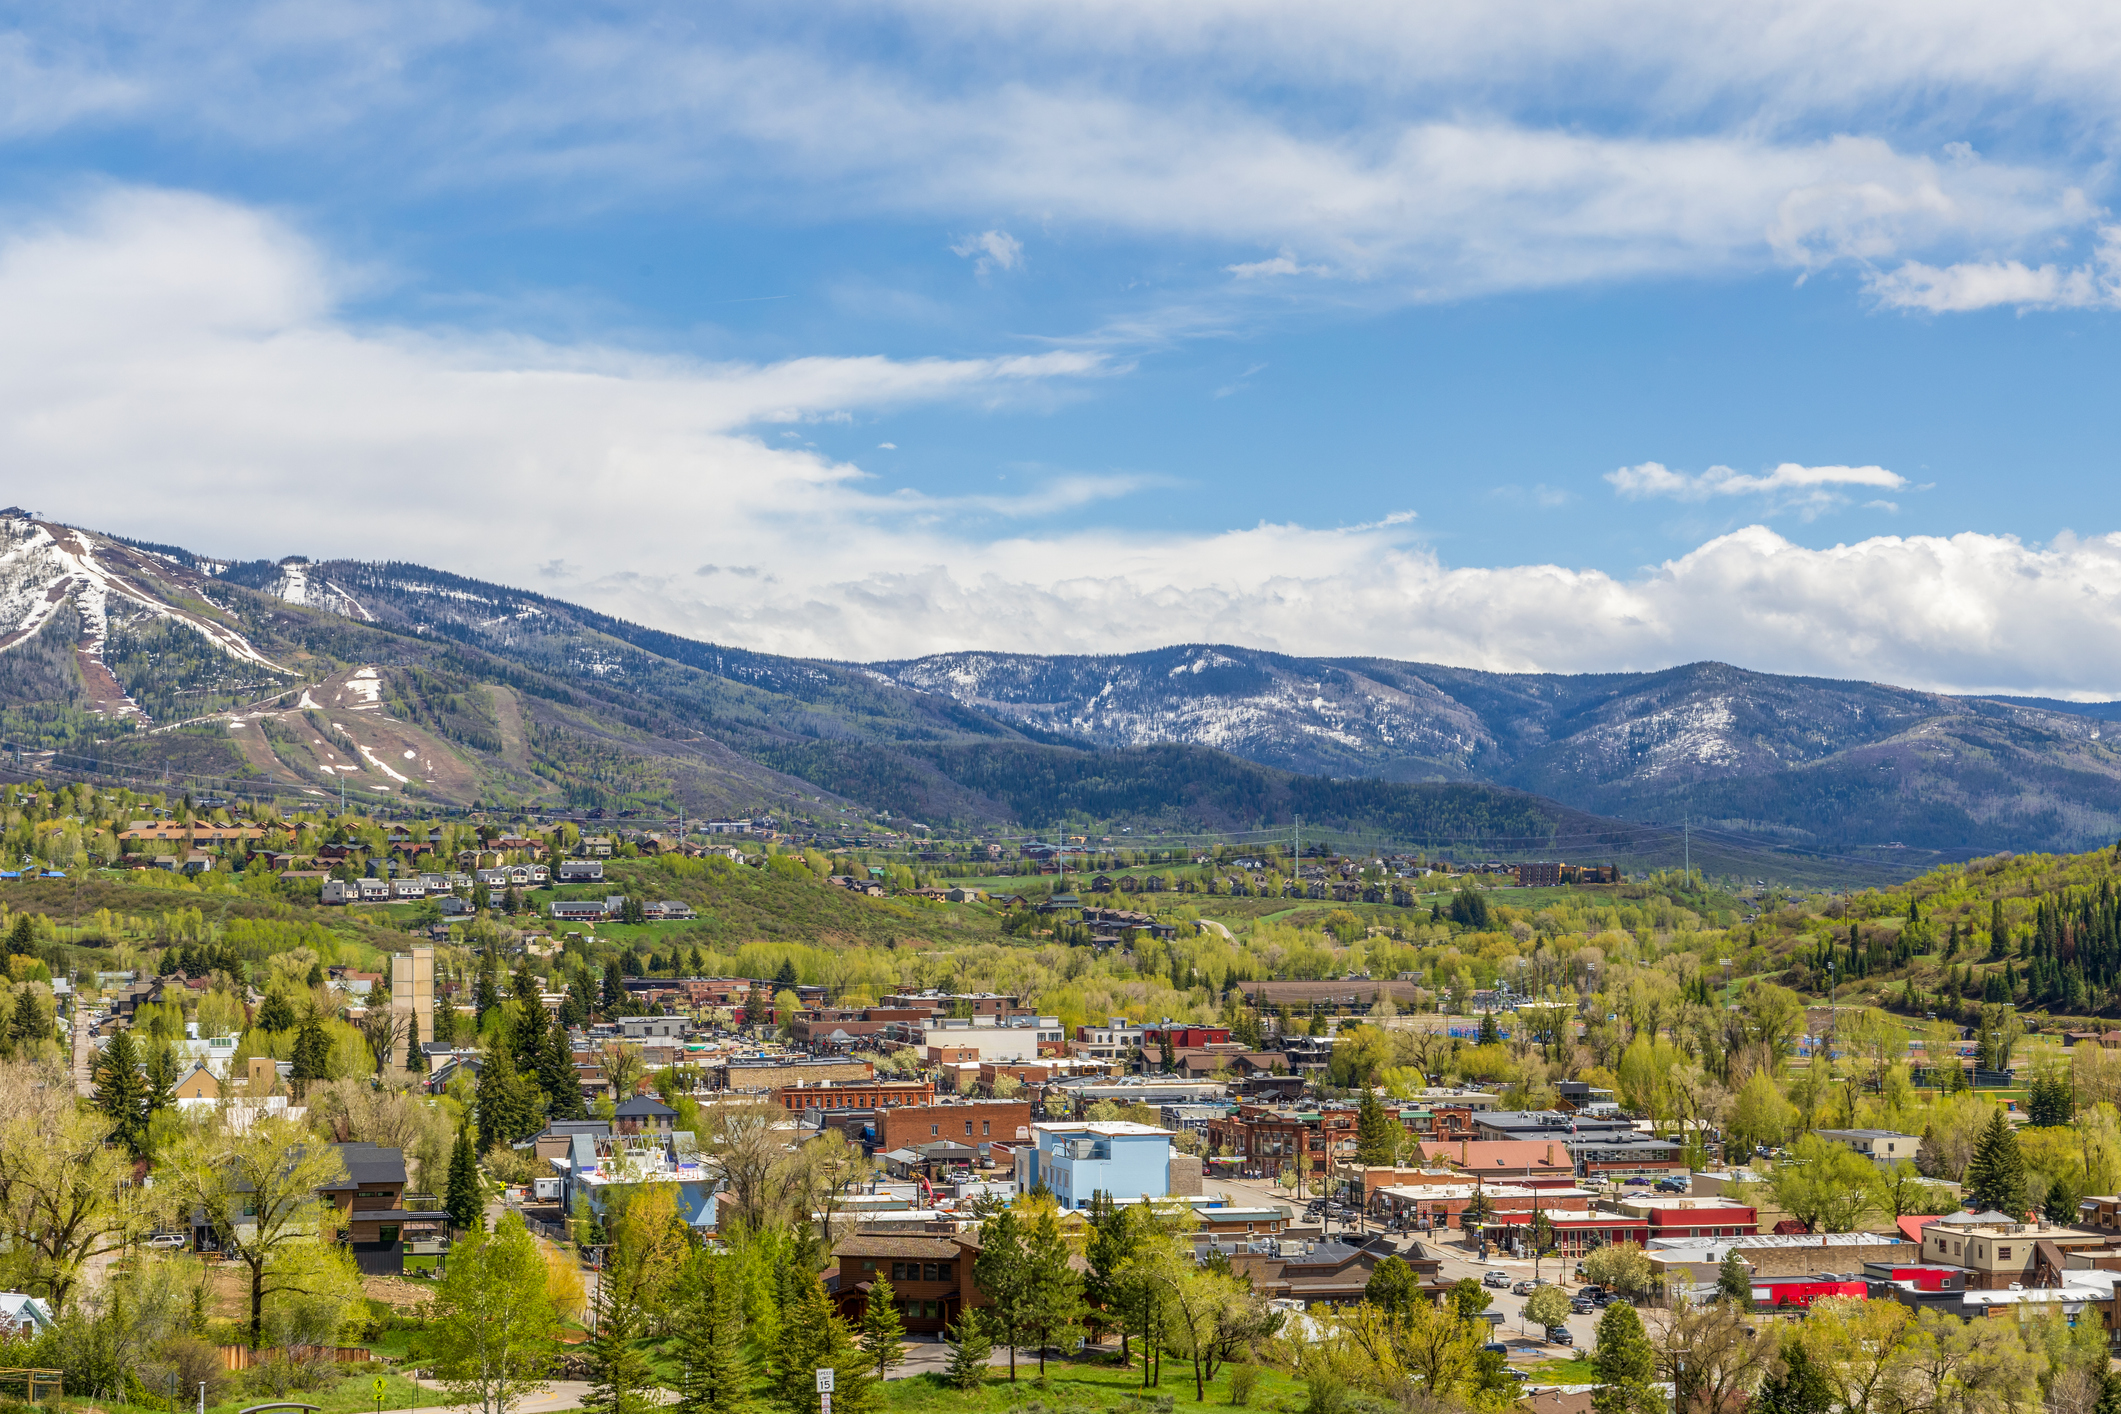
(1809, 761)
(413, 683)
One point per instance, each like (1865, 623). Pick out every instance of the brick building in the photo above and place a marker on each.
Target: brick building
(931, 1278)
(972, 1122)
(865, 1094)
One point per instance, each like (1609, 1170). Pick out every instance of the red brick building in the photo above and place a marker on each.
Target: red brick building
(931, 1278)
(973, 1122)
(870, 1094)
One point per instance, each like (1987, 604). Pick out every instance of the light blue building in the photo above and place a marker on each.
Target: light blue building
(1126, 1160)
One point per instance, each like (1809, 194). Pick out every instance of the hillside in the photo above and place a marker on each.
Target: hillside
(401, 682)
(1808, 761)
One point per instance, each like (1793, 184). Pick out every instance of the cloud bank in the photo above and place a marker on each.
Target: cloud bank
(178, 368)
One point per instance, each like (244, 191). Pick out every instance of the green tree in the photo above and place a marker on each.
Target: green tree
(557, 1076)
(490, 1334)
(312, 1055)
(1547, 1306)
(1001, 1270)
(1377, 1134)
(1468, 1299)
(1626, 1365)
(1995, 1176)
(621, 1381)
(121, 1092)
(970, 1349)
(813, 1337)
(710, 1323)
(1734, 1279)
(614, 988)
(507, 1109)
(1053, 1293)
(461, 1199)
(1798, 1386)
(1392, 1286)
(883, 1334)
(1619, 1266)
(1488, 1034)
(276, 1013)
(1826, 1186)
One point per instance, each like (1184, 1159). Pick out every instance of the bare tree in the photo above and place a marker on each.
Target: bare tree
(1714, 1360)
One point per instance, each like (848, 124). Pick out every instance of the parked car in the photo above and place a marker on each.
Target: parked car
(1523, 1288)
(168, 1240)
(1585, 1293)
(1497, 1346)
(1582, 1306)
(1637, 1182)
(1495, 1279)
(1559, 1335)
(1672, 1185)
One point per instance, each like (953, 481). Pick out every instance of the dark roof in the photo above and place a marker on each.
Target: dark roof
(368, 1163)
(878, 1245)
(643, 1106)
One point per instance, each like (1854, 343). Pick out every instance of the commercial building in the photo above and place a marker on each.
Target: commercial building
(1880, 1146)
(1125, 1160)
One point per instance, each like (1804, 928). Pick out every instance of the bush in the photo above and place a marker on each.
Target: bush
(1243, 1380)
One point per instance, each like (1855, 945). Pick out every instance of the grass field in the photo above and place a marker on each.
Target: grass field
(1085, 1385)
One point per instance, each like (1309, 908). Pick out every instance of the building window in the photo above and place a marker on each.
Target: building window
(2003, 1254)
(986, 1126)
(968, 1129)
(934, 1130)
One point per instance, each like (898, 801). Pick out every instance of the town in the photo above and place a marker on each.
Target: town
(324, 1087)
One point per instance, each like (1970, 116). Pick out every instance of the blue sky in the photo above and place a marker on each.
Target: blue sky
(1564, 336)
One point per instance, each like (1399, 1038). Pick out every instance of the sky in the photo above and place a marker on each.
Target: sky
(1566, 337)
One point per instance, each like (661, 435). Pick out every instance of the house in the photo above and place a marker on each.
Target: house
(644, 1114)
(667, 910)
(23, 1315)
(1997, 1250)
(197, 1083)
(581, 871)
(582, 911)
(930, 1277)
(1314, 1273)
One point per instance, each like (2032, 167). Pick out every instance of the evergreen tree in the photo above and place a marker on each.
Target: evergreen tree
(527, 1037)
(883, 1334)
(621, 1381)
(1626, 1365)
(614, 988)
(1376, 1134)
(312, 1050)
(970, 1349)
(785, 979)
(1799, 1387)
(1734, 1280)
(558, 1078)
(462, 1199)
(1000, 1270)
(506, 1111)
(710, 1324)
(1488, 1034)
(121, 1092)
(1999, 939)
(275, 1013)
(1393, 1287)
(1053, 1293)
(1995, 1176)
(813, 1337)
(486, 995)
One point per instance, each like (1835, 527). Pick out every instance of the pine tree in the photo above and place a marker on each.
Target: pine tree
(1998, 936)
(785, 979)
(1626, 1364)
(1799, 1387)
(275, 1013)
(487, 994)
(312, 1055)
(970, 1350)
(1376, 1133)
(558, 1078)
(461, 1199)
(813, 1337)
(710, 1325)
(1488, 1035)
(506, 1111)
(121, 1092)
(883, 1334)
(1995, 1176)
(621, 1381)
(1734, 1279)
(1001, 1271)
(614, 988)
(1053, 1292)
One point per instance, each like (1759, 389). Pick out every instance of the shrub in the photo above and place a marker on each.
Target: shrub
(1243, 1380)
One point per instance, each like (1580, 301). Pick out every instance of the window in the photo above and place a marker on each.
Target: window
(968, 1129)
(934, 1130)
(930, 1272)
(986, 1126)
(2003, 1254)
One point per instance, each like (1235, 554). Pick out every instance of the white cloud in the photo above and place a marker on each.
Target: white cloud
(176, 368)
(997, 250)
(1808, 489)
(1974, 285)
(1404, 151)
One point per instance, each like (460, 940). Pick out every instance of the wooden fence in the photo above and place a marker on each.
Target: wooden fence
(242, 1357)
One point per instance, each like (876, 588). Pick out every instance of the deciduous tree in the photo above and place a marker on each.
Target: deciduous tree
(491, 1331)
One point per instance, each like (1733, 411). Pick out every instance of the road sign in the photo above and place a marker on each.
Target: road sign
(824, 1380)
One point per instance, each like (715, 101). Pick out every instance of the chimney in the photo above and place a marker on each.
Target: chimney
(1550, 1151)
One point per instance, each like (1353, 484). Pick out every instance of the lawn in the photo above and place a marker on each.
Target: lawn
(349, 1395)
(1085, 1385)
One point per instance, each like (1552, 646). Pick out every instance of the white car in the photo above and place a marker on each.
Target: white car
(1496, 1279)
(168, 1239)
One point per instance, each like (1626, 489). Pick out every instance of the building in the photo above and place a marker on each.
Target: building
(1997, 1250)
(972, 1122)
(644, 1114)
(930, 1277)
(1120, 1158)
(993, 1038)
(371, 1213)
(852, 1094)
(412, 1001)
(1880, 1146)
(581, 871)
(1538, 1162)
(1265, 1138)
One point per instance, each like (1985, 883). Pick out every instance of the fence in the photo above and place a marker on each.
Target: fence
(242, 1357)
(37, 1385)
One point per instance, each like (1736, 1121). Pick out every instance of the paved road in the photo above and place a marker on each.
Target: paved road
(1526, 1342)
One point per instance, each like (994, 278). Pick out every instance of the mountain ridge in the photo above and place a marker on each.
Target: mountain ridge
(1791, 762)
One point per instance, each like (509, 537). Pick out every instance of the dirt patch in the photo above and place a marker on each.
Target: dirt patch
(397, 1292)
(515, 741)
